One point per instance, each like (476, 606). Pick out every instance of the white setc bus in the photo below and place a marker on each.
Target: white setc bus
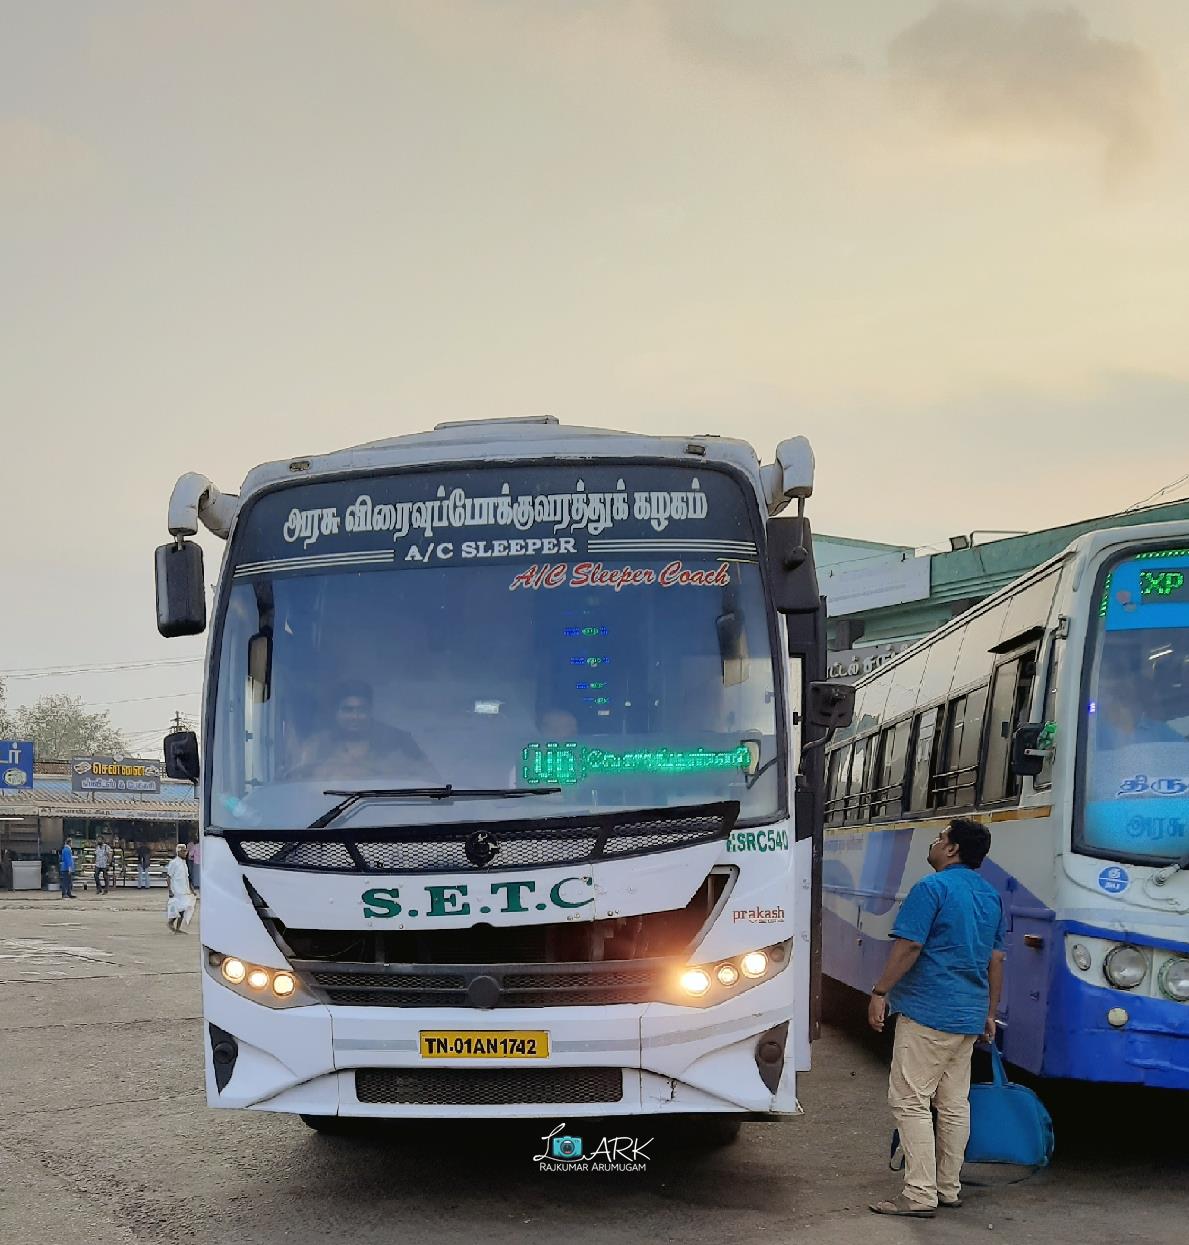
(1056, 711)
(499, 799)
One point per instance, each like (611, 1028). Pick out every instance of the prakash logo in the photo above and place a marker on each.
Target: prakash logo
(567, 1152)
(758, 916)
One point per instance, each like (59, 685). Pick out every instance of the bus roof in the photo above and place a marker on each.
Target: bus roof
(504, 440)
(1084, 548)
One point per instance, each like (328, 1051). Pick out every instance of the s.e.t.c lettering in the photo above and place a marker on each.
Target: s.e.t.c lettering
(512, 896)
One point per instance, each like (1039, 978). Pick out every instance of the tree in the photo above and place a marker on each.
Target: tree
(7, 726)
(61, 727)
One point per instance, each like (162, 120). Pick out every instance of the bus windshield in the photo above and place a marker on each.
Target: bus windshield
(1136, 759)
(600, 629)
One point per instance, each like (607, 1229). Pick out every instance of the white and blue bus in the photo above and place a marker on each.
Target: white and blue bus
(1057, 712)
(499, 794)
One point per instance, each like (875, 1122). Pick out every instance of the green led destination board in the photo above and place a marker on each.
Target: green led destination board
(570, 763)
(1168, 584)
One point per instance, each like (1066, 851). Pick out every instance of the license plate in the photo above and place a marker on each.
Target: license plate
(484, 1044)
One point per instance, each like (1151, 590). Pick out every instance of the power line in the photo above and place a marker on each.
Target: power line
(58, 672)
(1159, 493)
(135, 700)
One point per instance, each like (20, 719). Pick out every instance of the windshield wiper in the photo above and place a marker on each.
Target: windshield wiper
(447, 792)
(1159, 879)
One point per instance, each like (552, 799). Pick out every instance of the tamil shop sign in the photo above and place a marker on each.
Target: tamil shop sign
(853, 663)
(123, 774)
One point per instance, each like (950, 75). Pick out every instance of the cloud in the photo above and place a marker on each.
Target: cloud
(740, 38)
(1042, 74)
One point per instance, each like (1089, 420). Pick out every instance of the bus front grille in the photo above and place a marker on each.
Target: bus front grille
(488, 1087)
(486, 986)
(475, 847)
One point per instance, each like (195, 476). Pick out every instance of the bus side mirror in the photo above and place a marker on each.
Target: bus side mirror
(1026, 760)
(181, 755)
(830, 705)
(181, 592)
(790, 566)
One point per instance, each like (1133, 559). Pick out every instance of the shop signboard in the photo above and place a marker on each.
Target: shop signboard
(118, 774)
(876, 585)
(16, 764)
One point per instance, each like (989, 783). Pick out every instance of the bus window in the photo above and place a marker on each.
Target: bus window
(922, 759)
(887, 788)
(836, 784)
(1049, 714)
(1134, 799)
(957, 767)
(855, 800)
(868, 778)
(1011, 692)
(997, 779)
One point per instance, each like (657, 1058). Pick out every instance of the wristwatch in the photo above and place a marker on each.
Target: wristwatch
(879, 994)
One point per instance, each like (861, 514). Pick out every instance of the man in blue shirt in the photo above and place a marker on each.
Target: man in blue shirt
(944, 978)
(66, 870)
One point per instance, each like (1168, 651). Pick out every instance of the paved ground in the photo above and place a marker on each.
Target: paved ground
(104, 1137)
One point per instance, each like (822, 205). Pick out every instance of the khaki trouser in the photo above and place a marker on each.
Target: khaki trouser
(931, 1067)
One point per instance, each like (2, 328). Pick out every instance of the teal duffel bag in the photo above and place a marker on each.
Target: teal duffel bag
(1008, 1122)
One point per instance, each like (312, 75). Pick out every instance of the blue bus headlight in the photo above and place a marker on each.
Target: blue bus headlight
(1125, 967)
(1174, 978)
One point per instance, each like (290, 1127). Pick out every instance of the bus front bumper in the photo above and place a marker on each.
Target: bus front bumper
(614, 1060)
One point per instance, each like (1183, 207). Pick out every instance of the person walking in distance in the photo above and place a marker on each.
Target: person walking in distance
(66, 869)
(180, 908)
(102, 867)
(142, 866)
(944, 977)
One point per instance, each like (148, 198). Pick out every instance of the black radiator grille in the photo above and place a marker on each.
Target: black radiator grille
(470, 847)
(487, 986)
(488, 1087)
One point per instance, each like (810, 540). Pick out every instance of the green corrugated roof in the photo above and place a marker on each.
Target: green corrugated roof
(984, 569)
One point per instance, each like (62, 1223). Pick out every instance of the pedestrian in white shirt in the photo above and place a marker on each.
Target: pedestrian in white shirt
(103, 855)
(181, 905)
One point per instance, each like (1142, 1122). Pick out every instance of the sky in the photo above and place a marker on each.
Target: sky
(945, 241)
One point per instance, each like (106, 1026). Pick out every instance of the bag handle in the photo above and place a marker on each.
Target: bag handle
(998, 1071)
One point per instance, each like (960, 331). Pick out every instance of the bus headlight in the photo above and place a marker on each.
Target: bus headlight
(1174, 978)
(274, 987)
(1125, 967)
(234, 970)
(715, 982)
(1080, 955)
(695, 981)
(754, 964)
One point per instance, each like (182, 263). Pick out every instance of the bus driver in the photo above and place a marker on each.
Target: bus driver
(357, 746)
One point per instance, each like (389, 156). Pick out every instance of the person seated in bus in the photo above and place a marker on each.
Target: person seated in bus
(357, 746)
(557, 726)
(1124, 710)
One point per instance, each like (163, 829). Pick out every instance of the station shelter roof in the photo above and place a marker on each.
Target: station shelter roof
(51, 796)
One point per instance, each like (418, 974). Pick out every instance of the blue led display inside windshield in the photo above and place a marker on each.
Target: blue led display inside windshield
(1148, 590)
